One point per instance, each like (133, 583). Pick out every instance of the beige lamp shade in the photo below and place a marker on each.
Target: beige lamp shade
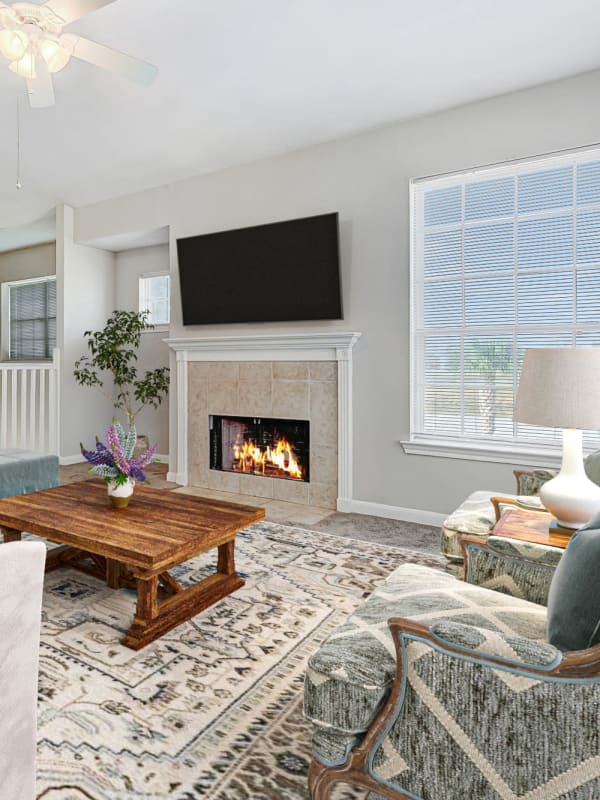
(560, 388)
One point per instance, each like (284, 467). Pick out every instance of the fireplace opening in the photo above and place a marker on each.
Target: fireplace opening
(272, 448)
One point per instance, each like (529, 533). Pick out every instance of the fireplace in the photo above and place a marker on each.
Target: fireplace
(272, 448)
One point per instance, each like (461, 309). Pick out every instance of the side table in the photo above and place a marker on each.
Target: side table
(531, 526)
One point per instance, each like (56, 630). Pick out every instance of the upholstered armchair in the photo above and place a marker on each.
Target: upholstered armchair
(21, 583)
(440, 688)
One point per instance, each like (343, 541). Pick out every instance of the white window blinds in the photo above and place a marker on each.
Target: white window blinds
(155, 297)
(32, 312)
(503, 259)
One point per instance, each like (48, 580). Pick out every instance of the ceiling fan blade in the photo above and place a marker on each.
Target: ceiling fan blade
(112, 60)
(40, 88)
(71, 10)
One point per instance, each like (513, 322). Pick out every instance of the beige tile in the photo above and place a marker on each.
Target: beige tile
(323, 413)
(223, 397)
(223, 371)
(256, 486)
(256, 398)
(198, 473)
(323, 464)
(198, 397)
(290, 491)
(198, 370)
(290, 399)
(223, 481)
(290, 370)
(256, 371)
(323, 495)
(323, 370)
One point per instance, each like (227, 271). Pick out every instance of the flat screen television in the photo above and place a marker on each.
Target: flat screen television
(269, 273)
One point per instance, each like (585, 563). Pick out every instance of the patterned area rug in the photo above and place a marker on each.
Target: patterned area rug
(214, 709)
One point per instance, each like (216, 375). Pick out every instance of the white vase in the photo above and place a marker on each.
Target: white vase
(120, 493)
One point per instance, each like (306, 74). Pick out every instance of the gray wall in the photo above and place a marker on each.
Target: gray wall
(366, 179)
(130, 264)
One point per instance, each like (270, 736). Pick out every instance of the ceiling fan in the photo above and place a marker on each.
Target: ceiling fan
(32, 39)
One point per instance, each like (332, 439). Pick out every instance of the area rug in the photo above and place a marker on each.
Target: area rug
(212, 710)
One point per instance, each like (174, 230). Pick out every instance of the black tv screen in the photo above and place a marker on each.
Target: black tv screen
(269, 273)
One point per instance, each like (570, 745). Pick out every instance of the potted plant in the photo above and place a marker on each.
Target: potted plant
(115, 462)
(112, 355)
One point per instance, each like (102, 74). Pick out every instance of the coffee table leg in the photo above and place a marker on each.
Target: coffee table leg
(226, 561)
(147, 599)
(10, 535)
(113, 574)
(152, 619)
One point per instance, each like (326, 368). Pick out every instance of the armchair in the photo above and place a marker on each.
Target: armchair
(436, 688)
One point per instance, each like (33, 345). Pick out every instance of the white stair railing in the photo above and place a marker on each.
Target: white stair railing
(30, 404)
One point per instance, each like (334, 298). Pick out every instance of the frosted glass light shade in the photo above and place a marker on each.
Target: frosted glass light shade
(560, 388)
(13, 45)
(25, 67)
(55, 56)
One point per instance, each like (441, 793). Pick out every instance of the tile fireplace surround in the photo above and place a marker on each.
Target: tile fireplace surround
(293, 376)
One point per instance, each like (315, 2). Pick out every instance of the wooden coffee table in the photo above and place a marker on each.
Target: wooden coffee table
(137, 546)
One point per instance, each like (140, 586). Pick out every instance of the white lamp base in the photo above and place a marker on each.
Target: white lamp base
(571, 496)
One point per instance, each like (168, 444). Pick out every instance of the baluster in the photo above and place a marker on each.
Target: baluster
(4, 410)
(43, 400)
(33, 411)
(14, 409)
(23, 409)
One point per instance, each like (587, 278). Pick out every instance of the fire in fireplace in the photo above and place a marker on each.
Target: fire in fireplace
(273, 448)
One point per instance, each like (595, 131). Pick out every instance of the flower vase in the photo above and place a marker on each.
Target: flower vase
(120, 493)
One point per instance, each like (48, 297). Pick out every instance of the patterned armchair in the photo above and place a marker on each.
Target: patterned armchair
(438, 688)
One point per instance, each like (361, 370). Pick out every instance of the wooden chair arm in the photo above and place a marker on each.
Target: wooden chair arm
(575, 664)
(505, 501)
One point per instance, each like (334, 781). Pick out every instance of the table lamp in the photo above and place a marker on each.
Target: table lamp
(560, 388)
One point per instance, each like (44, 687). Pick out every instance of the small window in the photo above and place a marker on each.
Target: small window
(32, 315)
(155, 297)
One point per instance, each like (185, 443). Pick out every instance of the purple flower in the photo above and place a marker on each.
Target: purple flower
(113, 457)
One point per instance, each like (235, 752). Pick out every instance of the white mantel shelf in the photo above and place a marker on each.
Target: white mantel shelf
(323, 346)
(327, 346)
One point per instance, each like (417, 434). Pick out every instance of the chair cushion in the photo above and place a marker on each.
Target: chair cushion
(574, 600)
(350, 676)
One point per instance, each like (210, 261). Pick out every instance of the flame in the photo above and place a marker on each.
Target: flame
(249, 457)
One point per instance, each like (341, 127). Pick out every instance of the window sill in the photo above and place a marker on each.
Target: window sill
(494, 452)
(158, 329)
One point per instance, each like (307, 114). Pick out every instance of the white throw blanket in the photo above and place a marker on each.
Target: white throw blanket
(21, 584)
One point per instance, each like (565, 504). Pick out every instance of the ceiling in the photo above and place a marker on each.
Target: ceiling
(240, 81)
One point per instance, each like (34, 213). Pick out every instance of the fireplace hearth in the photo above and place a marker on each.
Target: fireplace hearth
(271, 448)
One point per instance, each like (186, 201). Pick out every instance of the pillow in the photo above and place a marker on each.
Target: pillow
(574, 597)
(592, 467)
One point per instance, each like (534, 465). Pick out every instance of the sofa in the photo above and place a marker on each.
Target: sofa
(441, 688)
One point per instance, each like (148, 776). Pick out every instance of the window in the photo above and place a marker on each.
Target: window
(503, 259)
(31, 315)
(155, 297)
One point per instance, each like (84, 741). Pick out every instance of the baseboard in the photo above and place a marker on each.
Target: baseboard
(175, 477)
(391, 512)
(68, 461)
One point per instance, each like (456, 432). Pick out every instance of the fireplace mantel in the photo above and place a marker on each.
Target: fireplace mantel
(266, 347)
(327, 346)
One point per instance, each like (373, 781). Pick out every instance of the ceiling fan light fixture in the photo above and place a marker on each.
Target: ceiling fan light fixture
(13, 44)
(25, 67)
(54, 54)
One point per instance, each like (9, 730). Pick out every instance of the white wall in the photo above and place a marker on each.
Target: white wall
(85, 279)
(366, 179)
(130, 264)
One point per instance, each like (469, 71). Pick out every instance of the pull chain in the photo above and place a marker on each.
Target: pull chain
(19, 184)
